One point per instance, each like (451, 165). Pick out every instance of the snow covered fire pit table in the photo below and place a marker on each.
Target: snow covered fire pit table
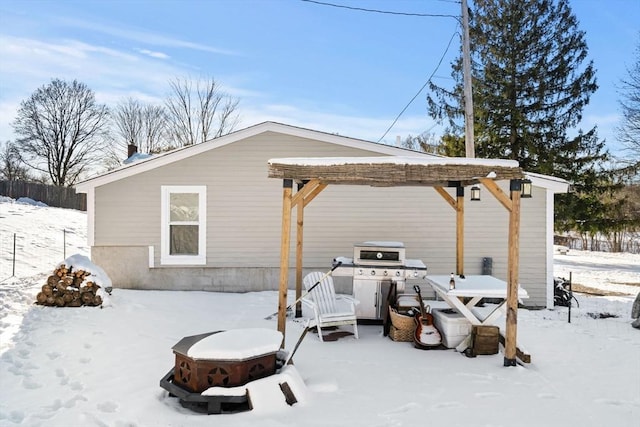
(210, 368)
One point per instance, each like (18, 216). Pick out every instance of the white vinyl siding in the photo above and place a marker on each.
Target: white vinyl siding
(244, 218)
(183, 222)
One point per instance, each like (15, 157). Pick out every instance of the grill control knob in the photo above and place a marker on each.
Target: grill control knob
(373, 272)
(398, 273)
(360, 272)
(385, 273)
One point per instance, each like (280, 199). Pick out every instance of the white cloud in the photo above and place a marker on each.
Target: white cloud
(141, 36)
(367, 128)
(28, 64)
(153, 54)
(115, 75)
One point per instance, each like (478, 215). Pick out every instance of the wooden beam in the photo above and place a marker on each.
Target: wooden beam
(299, 246)
(520, 353)
(313, 193)
(446, 196)
(512, 279)
(460, 231)
(285, 241)
(512, 204)
(307, 193)
(458, 205)
(497, 192)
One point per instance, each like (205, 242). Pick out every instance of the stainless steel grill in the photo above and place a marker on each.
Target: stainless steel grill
(375, 267)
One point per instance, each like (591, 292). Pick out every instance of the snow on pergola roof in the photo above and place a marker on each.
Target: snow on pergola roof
(394, 170)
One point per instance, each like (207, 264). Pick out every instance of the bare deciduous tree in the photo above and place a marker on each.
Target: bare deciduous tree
(629, 128)
(11, 168)
(61, 130)
(154, 126)
(127, 117)
(199, 110)
(425, 142)
(135, 123)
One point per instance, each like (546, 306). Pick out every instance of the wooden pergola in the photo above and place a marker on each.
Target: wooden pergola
(314, 174)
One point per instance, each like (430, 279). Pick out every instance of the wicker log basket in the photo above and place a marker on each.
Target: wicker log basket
(402, 326)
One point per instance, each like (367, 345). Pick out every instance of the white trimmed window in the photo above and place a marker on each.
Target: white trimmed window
(184, 227)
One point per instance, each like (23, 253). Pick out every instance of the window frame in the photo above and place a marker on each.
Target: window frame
(165, 223)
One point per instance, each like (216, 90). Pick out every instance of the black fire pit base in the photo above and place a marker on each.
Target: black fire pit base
(204, 404)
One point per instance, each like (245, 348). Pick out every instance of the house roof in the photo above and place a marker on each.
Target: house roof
(169, 157)
(193, 150)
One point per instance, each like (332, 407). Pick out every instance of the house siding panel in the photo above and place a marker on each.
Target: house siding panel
(244, 218)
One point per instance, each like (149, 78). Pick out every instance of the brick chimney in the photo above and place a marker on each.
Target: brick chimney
(131, 150)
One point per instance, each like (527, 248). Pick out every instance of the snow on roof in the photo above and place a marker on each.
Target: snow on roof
(237, 344)
(393, 160)
(136, 158)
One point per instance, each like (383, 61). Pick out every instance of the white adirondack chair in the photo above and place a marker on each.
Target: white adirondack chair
(328, 308)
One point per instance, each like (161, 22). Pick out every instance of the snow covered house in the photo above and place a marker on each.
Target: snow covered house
(229, 240)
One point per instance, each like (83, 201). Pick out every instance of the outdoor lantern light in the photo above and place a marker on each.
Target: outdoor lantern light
(525, 191)
(475, 193)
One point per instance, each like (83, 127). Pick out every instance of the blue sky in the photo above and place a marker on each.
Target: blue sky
(326, 68)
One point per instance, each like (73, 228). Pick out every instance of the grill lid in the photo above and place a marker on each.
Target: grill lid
(381, 255)
(369, 253)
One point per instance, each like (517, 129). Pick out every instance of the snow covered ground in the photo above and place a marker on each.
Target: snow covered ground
(88, 366)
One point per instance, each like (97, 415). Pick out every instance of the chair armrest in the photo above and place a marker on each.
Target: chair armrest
(311, 304)
(348, 298)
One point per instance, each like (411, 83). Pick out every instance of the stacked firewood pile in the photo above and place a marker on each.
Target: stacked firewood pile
(67, 288)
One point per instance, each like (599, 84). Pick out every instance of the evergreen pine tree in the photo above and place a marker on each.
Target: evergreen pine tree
(531, 81)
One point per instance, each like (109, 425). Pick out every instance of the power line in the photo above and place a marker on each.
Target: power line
(388, 12)
(423, 86)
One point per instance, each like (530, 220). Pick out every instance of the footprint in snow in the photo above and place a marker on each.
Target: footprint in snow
(72, 402)
(402, 409)
(53, 355)
(16, 416)
(57, 404)
(612, 402)
(30, 384)
(107, 407)
(447, 405)
(547, 396)
(488, 394)
(85, 360)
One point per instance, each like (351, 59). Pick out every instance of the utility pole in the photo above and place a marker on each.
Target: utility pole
(469, 146)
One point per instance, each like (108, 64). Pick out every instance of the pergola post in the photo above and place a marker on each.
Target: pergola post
(458, 205)
(299, 246)
(305, 194)
(512, 204)
(285, 241)
(512, 272)
(459, 230)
